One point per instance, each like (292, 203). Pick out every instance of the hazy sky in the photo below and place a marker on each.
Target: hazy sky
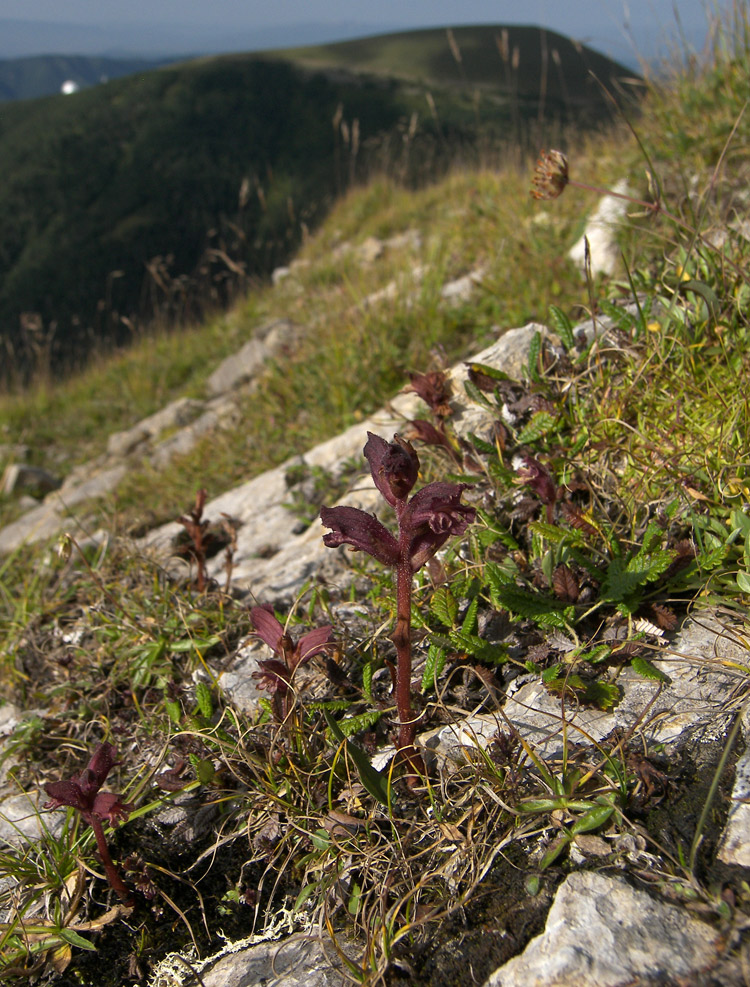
(645, 25)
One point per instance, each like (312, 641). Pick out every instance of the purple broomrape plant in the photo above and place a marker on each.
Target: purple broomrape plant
(425, 523)
(276, 674)
(538, 477)
(82, 792)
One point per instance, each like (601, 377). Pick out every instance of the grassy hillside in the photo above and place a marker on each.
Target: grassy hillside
(637, 514)
(159, 194)
(521, 61)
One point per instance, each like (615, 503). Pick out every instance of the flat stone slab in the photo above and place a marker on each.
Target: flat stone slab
(23, 821)
(601, 932)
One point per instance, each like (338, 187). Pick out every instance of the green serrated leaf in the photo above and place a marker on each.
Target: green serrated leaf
(433, 666)
(174, 711)
(203, 700)
(492, 372)
(563, 326)
(469, 623)
(535, 348)
(477, 647)
(624, 578)
(600, 653)
(553, 533)
(642, 666)
(475, 394)
(444, 606)
(528, 604)
(367, 673)
(603, 695)
(712, 559)
(204, 768)
(542, 423)
(481, 445)
(362, 721)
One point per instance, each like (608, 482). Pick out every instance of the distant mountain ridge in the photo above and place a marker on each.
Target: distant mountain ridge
(44, 75)
(165, 40)
(157, 193)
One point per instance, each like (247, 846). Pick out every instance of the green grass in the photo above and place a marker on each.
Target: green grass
(646, 444)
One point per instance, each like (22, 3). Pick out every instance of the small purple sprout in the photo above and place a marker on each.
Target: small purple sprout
(276, 674)
(539, 478)
(82, 792)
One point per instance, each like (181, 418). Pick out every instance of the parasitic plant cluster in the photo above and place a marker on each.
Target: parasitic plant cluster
(425, 521)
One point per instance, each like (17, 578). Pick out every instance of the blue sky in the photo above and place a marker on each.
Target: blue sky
(644, 27)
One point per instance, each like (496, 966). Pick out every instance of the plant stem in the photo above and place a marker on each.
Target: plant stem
(401, 638)
(113, 875)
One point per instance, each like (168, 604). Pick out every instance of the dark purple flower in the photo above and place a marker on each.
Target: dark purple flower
(394, 466)
(539, 479)
(81, 792)
(350, 526)
(434, 514)
(434, 389)
(271, 631)
(273, 676)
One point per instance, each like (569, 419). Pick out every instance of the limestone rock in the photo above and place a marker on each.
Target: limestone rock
(22, 822)
(174, 415)
(735, 843)
(601, 932)
(121, 444)
(461, 289)
(600, 233)
(296, 962)
(249, 361)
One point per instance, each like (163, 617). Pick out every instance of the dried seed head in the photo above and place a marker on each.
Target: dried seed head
(550, 175)
(65, 547)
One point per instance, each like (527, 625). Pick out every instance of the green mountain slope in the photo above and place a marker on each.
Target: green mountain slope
(155, 194)
(522, 60)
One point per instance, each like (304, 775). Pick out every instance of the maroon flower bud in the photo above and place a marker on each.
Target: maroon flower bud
(434, 389)
(435, 514)
(394, 466)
